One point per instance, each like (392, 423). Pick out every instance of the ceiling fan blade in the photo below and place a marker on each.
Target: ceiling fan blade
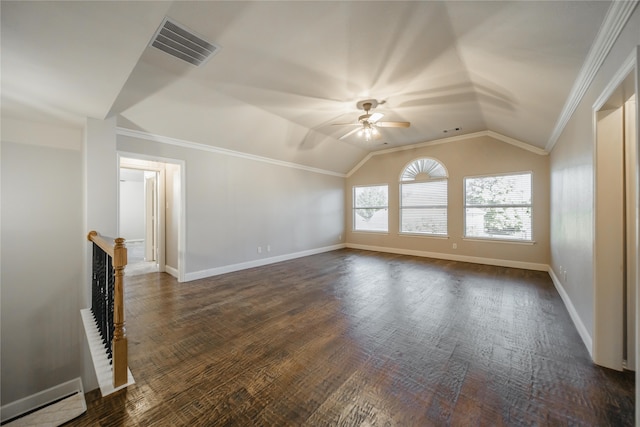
(375, 117)
(350, 133)
(393, 124)
(346, 124)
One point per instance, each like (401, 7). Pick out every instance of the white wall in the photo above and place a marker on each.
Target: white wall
(235, 205)
(41, 265)
(572, 181)
(132, 204)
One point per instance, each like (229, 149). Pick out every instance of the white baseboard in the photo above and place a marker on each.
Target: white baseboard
(43, 398)
(101, 365)
(172, 271)
(257, 263)
(451, 257)
(577, 321)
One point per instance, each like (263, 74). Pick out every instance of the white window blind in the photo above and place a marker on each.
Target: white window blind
(423, 198)
(370, 208)
(498, 207)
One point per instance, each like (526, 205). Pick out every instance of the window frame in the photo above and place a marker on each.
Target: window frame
(497, 239)
(354, 208)
(418, 180)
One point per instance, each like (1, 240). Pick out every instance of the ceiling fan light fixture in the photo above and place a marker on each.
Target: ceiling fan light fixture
(368, 123)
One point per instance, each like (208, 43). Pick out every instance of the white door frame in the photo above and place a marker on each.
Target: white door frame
(162, 206)
(608, 340)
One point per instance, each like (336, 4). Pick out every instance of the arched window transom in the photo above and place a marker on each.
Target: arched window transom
(423, 169)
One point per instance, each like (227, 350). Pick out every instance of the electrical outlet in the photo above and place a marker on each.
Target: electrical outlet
(259, 249)
(455, 246)
(268, 248)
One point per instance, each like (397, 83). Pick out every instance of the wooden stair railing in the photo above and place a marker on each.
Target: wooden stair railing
(107, 309)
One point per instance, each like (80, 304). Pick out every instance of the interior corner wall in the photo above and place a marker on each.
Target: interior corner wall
(41, 265)
(101, 172)
(572, 185)
(478, 156)
(242, 212)
(172, 226)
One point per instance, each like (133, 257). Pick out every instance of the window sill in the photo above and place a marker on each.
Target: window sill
(510, 241)
(370, 232)
(420, 235)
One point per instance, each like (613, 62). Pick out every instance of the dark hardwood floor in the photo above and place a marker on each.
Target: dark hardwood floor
(359, 338)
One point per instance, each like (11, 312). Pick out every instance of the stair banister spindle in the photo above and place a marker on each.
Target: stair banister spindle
(119, 333)
(107, 300)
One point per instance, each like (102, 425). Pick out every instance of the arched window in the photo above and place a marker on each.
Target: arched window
(423, 198)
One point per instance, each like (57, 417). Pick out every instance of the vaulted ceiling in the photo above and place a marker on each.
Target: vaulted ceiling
(287, 71)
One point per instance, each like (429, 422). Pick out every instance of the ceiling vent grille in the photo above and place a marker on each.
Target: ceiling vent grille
(182, 43)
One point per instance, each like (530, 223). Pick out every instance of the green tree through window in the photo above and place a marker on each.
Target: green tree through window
(498, 206)
(370, 207)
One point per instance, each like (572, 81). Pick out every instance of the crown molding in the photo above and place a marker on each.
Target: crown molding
(617, 16)
(457, 138)
(224, 151)
(622, 73)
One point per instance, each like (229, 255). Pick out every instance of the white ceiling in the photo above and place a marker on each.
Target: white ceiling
(287, 70)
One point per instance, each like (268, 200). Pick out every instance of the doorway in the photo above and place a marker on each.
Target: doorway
(150, 214)
(138, 219)
(616, 224)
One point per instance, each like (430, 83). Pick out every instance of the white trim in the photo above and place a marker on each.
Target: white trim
(423, 235)
(218, 150)
(577, 321)
(623, 72)
(450, 257)
(498, 240)
(172, 271)
(258, 263)
(517, 143)
(370, 231)
(617, 16)
(489, 133)
(101, 365)
(43, 398)
(182, 227)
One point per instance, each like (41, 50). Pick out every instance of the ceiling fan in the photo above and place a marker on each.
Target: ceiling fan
(368, 124)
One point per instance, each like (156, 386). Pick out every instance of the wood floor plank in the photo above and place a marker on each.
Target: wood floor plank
(352, 337)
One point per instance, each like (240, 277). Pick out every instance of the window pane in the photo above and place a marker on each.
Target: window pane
(371, 220)
(498, 190)
(499, 223)
(370, 197)
(423, 207)
(424, 220)
(432, 193)
(370, 211)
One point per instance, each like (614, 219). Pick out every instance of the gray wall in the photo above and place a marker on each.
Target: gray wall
(42, 249)
(572, 180)
(235, 205)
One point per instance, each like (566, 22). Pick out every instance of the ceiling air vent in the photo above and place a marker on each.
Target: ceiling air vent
(182, 43)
